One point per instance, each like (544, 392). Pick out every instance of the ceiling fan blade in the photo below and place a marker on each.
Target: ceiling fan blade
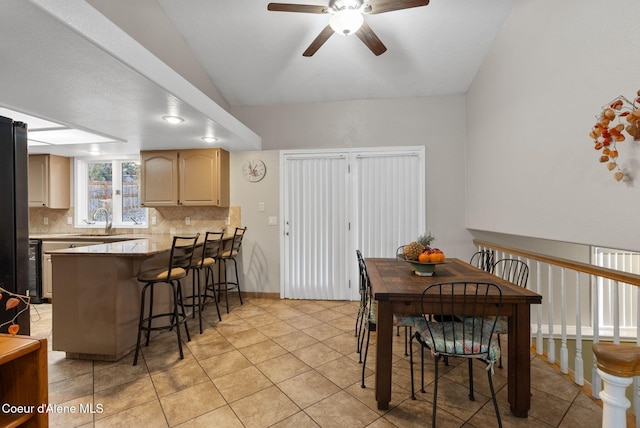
(366, 34)
(381, 6)
(319, 41)
(303, 8)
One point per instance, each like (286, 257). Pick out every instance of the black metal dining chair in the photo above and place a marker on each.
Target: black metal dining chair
(369, 318)
(483, 260)
(465, 330)
(363, 301)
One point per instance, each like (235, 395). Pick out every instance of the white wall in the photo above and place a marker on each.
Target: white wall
(261, 244)
(438, 123)
(531, 166)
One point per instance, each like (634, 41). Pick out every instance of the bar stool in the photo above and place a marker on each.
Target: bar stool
(211, 250)
(182, 250)
(230, 255)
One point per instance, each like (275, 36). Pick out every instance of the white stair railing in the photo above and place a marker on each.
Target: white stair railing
(597, 298)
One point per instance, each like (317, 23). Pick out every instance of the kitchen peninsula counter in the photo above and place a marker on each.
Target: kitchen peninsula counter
(97, 295)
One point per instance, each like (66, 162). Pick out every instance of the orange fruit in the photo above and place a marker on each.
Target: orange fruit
(437, 257)
(423, 258)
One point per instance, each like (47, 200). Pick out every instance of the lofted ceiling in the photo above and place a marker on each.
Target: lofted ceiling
(115, 67)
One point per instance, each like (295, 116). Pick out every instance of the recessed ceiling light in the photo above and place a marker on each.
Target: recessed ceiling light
(209, 139)
(174, 120)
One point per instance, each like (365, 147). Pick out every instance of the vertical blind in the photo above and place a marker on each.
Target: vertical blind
(335, 203)
(316, 227)
(391, 202)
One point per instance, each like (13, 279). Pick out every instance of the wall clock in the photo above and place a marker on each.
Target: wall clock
(254, 170)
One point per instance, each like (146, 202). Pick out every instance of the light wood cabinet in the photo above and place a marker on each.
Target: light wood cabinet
(196, 177)
(159, 173)
(49, 181)
(24, 379)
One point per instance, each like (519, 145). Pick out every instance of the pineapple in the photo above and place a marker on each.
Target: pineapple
(426, 240)
(412, 250)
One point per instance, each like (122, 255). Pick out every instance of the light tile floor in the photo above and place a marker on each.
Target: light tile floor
(286, 363)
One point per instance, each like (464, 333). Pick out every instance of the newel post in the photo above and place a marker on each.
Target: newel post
(617, 365)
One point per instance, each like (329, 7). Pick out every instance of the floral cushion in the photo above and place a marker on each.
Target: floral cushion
(502, 324)
(401, 320)
(372, 311)
(460, 338)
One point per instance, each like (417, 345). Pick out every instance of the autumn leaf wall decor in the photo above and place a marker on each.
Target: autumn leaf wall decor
(616, 118)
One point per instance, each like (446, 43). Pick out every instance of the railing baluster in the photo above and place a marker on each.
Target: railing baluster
(539, 337)
(564, 351)
(616, 312)
(579, 363)
(551, 345)
(596, 382)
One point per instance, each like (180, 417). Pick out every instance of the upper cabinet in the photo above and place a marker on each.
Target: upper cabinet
(49, 181)
(197, 177)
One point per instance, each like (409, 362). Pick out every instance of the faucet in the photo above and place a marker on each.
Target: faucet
(107, 223)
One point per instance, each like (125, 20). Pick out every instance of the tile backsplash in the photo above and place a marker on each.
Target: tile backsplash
(170, 220)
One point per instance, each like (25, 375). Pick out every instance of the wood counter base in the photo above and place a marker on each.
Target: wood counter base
(95, 310)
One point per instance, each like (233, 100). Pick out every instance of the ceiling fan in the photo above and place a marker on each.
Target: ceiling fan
(347, 17)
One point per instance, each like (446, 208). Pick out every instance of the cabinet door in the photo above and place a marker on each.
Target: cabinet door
(38, 183)
(198, 177)
(59, 182)
(224, 194)
(49, 181)
(159, 171)
(47, 289)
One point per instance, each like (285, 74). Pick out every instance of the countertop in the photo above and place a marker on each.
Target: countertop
(114, 245)
(88, 237)
(121, 245)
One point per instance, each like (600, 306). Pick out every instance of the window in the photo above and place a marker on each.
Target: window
(108, 186)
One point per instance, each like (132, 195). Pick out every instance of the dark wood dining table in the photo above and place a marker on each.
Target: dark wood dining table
(398, 290)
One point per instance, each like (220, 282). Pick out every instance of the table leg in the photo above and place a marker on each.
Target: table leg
(384, 330)
(519, 375)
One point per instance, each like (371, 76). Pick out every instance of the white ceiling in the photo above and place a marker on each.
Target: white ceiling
(63, 61)
(254, 56)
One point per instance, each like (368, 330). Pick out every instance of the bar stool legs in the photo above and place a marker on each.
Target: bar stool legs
(230, 254)
(236, 284)
(210, 284)
(177, 316)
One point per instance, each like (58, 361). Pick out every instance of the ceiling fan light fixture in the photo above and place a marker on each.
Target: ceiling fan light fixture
(346, 21)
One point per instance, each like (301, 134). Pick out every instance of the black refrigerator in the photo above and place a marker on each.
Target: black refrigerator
(14, 220)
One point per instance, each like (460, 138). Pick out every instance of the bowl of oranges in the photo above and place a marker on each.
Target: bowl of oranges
(426, 263)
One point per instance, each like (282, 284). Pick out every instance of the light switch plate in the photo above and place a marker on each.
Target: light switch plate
(69, 220)
(154, 220)
(46, 221)
(260, 206)
(273, 221)
(187, 221)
